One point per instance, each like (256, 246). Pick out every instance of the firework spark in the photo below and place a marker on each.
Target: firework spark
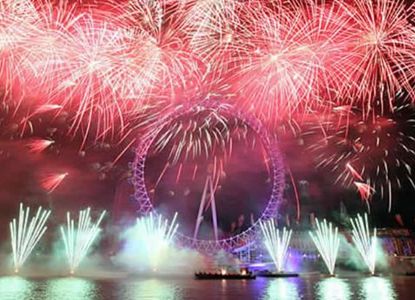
(207, 133)
(374, 155)
(78, 240)
(365, 190)
(38, 146)
(380, 51)
(277, 245)
(104, 62)
(366, 245)
(287, 68)
(51, 182)
(155, 235)
(26, 234)
(327, 242)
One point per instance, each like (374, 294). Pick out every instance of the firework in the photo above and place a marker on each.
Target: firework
(92, 90)
(199, 136)
(377, 63)
(365, 190)
(287, 67)
(207, 133)
(216, 32)
(365, 244)
(155, 234)
(104, 62)
(26, 234)
(51, 182)
(374, 156)
(75, 57)
(327, 242)
(45, 108)
(157, 59)
(78, 240)
(277, 245)
(38, 146)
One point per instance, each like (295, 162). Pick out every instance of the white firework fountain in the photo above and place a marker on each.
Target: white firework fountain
(156, 235)
(327, 242)
(79, 239)
(276, 243)
(25, 234)
(365, 243)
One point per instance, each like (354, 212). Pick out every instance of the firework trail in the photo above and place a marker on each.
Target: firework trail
(365, 244)
(26, 234)
(377, 63)
(207, 133)
(155, 235)
(287, 68)
(78, 240)
(327, 242)
(105, 62)
(51, 182)
(198, 136)
(216, 32)
(276, 243)
(374, 155)
(37, 146)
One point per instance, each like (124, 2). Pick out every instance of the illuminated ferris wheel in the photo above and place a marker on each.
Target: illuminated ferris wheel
(207, 206)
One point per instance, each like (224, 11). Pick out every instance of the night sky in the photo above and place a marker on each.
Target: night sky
(99, 171)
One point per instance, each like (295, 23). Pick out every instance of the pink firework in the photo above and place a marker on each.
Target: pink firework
(376, 153)
(365, 190)
(156, 56)
(205, 137)
(108, 63)
(286, 70)
(379, 60)
(80, 58)
(216, 32)
(37, 146)
(208, 134)
(51, 182)
(16, 18)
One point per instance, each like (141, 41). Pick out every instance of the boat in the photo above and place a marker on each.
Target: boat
(225, 275)
(277, 274)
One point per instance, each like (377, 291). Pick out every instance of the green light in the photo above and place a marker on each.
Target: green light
(25, 235)
(327, 242)
(15, 288)
(156, 236)
(377, 288)
(71, 289)
(79, 240)
(151, 289)
(276, 244)
(332, 289)
(282, 289)
(365, 244)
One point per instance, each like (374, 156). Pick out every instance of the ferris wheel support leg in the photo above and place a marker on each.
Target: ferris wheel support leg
(214, 215)
(199, 217)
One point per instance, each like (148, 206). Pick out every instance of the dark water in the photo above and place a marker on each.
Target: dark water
(312, 287)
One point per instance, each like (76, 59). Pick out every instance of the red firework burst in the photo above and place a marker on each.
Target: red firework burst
(375, 155)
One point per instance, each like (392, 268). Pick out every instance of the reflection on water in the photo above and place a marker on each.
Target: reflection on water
(15, 287)
(377, 288)
(332, 289)
(311, 287)
(282, 289)
(150, 289)
(70, 289)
